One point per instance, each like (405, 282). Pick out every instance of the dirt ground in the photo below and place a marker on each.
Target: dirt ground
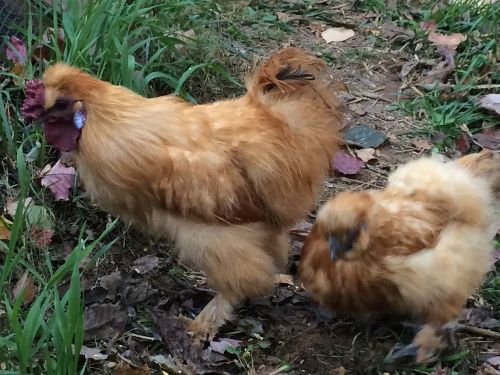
(136, 293)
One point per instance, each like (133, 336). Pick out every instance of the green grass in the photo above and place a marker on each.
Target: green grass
(476, 68)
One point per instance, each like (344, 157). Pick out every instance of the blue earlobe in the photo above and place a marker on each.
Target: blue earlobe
(79, 119)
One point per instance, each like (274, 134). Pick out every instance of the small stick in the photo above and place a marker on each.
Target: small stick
(479, 331)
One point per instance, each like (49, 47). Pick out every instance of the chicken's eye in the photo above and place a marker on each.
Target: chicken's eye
(62, 103)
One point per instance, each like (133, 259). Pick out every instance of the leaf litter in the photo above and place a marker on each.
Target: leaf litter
(59, 179)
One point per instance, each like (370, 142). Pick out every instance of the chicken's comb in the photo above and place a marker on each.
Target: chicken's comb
(33, 106)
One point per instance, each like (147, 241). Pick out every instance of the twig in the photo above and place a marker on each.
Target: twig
(360, 183)
(373, 169)
(479, 331)
(486, 87)
(370, 95)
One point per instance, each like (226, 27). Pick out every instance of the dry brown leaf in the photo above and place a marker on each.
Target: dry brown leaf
(339, 86)
(338, 371)
(4, 230)
(423, 144)
(11, 205)
(25, 283)
(337, 34)
(447, 45)
(125, 369)
(491, 102)
(366, 154)
(284, 279)
(358, 108)
(451, 40)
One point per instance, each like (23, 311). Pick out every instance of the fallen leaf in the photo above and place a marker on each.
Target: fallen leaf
(338, 371)
(59, 180)
(463, 143)
(284, 279)
(450, 41)
(482, 317)
(11, 205)
(423, 144)
(347, 164)
(42, 236)
(366, 154)
(447, 44)
(396, 33)
(364, 136)
(491, 102)
(435, 78)
(223, 344)
(38, 216)
(93, 353)
(428, 25)
(339, 86)
(146, 264)
(42, 51)
(337, 34)
(16, 51)
(25, 283)
(488, 138)
(104, 320)
(407, 68)
(125, 369)
(251, 326)
(4, 230)
(174, 335)
(495, 361)
(357, 108)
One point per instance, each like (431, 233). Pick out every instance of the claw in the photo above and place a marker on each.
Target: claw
(402, 354)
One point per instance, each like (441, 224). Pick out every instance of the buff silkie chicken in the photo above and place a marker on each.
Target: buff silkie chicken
(417, 248)
(224, 181)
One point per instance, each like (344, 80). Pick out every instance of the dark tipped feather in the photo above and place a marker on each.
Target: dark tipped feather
(288, 74)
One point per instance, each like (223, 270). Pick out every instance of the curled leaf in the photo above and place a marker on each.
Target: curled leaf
(366, 154)
(447, 44)
(337, 34)
(4, 230)
(428, 25)
(59, 180)
(223, 344)
(16, 51)
(25, 283)
(491, 102)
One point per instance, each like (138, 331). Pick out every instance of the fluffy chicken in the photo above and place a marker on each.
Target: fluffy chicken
(417, 248)
(224, 180)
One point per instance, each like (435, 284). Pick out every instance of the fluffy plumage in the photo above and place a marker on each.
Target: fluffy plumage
(223, 180)
(421, 245)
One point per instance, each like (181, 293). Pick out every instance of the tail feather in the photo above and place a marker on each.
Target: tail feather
(287, 72)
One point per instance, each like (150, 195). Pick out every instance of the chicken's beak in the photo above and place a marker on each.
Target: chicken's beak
(338, 246)
(334, 247)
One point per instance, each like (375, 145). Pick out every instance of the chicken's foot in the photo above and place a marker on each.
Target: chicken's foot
(213, 316)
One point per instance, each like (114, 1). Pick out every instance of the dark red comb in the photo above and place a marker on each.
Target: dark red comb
(33, 106)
